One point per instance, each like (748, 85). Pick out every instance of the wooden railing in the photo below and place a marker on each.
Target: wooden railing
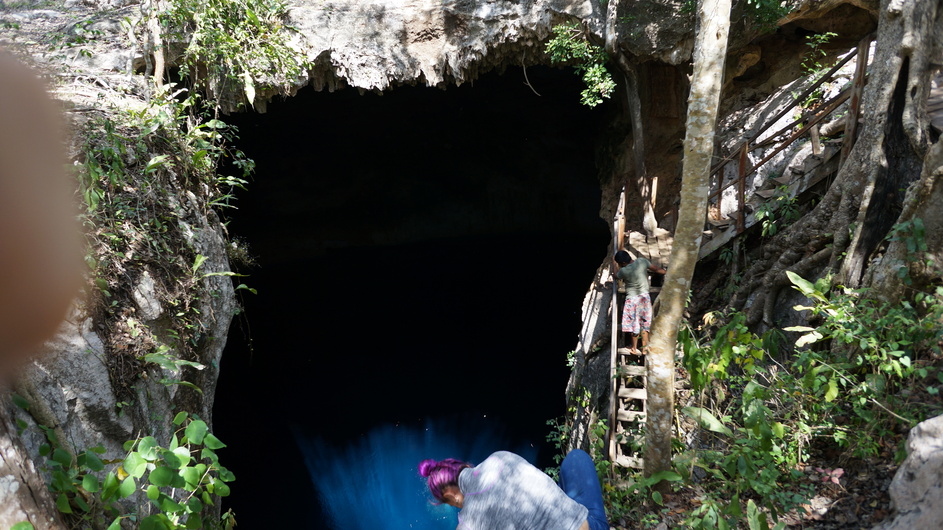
(808, 125)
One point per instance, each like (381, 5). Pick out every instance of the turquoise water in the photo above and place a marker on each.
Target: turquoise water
(374, 483)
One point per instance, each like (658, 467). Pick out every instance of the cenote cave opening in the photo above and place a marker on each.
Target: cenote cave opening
(421, 261)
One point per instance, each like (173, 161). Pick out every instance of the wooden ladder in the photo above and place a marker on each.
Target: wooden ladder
(629, 398)
(629, 374)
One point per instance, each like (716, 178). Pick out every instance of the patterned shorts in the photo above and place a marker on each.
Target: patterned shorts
(637, 313)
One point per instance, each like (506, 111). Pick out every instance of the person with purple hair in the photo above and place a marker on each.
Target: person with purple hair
(506, 492)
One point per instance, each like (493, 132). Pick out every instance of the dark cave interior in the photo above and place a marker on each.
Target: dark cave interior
(420, 253)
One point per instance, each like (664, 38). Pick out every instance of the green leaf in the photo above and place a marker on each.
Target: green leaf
(183, 457)
(127, 487)
(802, 285)
(706, 420)
(200, 259)
(135, 465)
(246, 287)
(809, 338)
(192, 476)
(669, 476)
(167, 504)
(832, 391)
(62, 503)
(110, 486)
(207, 453)
(753, 517)
(212, 442)
(21, 402)
(172, 460)
(90, 483)
(25, 525)
(193, 521)
(155, 162)
(779, 429)
(92, 462)
(153, 492)
(222, 489)
(180, 417)
(148, 448)
(161, 476)
(62, 457)
(227, 476)
(249, 86)
(81, 503)
(116, 524)
(195, 505)
(155, 522)
(180, 382)
(196, 431)
(656, 496)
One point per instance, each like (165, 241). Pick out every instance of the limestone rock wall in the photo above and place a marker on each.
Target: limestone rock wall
(376, 44)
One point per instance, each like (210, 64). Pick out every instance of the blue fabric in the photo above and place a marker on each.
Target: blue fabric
(579, 480)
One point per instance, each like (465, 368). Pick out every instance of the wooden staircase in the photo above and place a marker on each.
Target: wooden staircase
(628, 372)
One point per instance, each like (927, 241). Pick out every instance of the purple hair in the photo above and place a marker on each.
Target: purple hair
(441, 474)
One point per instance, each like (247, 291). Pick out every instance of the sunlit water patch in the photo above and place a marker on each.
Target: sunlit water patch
(374, 483)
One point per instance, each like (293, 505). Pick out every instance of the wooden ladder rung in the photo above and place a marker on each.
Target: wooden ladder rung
(633, 393)
(628, 369)
(629, 415)
(630, 461)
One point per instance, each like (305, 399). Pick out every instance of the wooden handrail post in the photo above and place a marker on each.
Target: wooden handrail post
(741, 185)
(618, 233)
(851, 123)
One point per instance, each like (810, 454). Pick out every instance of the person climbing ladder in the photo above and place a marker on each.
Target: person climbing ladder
(637, 310)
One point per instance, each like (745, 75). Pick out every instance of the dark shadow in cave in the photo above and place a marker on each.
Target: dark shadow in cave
(409, 245)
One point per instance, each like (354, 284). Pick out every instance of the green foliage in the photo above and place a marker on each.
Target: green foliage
(135, 166)
(242, 45)
(569, 45)
(876, 354)
(571, 359)
(812, 61)
(768, 12)
(913, 235)
(182, 480)
(813, 66)
(781, 209)
(752, 447)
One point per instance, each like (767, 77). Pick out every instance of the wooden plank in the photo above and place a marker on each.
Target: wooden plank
(630, 370)
(629, 415)
(633, 393)
(618, 239)
(630, 461)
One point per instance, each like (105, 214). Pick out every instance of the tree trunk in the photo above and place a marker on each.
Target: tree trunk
(23, 494)
(634, 108)
(888, 156)
(709, 54)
